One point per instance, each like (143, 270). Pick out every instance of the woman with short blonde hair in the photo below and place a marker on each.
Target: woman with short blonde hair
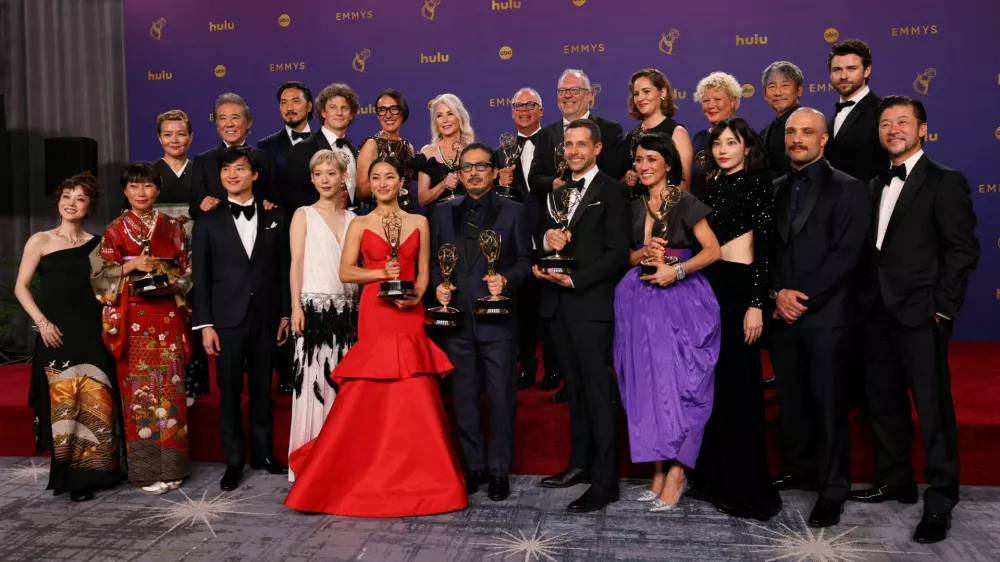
(719, 95)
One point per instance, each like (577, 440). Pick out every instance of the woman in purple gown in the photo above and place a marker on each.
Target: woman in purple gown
(666, 325)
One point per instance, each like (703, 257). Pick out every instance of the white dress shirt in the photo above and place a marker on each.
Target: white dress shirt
(566, 123)
(890, 194)
(247, 229)
(352, 165)
(842, 116)
(587, 179)
(295, 141)
(527, 153)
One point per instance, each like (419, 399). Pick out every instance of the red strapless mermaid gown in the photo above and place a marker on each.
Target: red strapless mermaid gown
(385, 449)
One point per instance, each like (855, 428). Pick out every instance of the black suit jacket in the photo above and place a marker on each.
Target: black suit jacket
(227, 279)
(856, 150)
(279, 145)
(533, 205)
(508, 219)
(600, 230)
(206, 179)
(296, 182)
(819, 253)
(543, 164)
(929, 250)
(773, 137)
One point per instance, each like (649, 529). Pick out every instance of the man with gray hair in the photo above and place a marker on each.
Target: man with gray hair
(782, 82)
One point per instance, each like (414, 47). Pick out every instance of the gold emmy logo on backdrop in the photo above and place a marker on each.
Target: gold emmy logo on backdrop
(915, 30)
(284, 20)
(586, 48)
(508, 5)
(429, 102)
(430, 6)
(667, 41)
(349, 16)
(594, 90)
(831, 35)
(579, 2)
(500, 102)
(360, 59)
(220, 71)
(286, 66)
(680, 94)
(987, 188)
(814, 88)
(749, 41)
(997, 133)
(923, 82)
(156, 30)
(748, 90)
(432, 59)
(224, 25)
(161, 75)
(506, 52)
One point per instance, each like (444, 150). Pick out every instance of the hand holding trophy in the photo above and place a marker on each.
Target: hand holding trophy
(492, 305)
(511, 154)
(570, 198)
(659, 216)
(445, 315)
(453, 164)
(392, 225)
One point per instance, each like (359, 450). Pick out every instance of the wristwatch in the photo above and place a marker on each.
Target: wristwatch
(773, 294)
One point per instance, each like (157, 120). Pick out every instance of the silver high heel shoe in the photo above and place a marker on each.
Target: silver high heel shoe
(647, 496)
(660, 506)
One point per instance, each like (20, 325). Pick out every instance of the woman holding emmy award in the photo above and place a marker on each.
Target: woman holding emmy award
(141, 275)
(324, 310)
(392, 111)
(74, 391)
(651, 101)
(385, 449)
(666, 324)
(451, 131)
(732, 470)
(719, 94)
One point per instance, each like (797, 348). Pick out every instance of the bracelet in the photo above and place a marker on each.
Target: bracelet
(41, 325)
(679, 270)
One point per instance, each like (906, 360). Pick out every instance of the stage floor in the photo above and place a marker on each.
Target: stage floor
(251, 524)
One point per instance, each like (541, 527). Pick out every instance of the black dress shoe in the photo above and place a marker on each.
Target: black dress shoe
(81, 496)
(794, 482)
(271, 466)
(933, 527)
(590, 502)
(771, 382)
(525, 378)
(559, 397)
(499, 488)
(473, 480)
(883, 493)
(550, 381)
(231, 479)
(567, 478)
(825, 513)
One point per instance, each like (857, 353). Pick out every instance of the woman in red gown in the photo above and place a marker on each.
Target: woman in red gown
(385, 449)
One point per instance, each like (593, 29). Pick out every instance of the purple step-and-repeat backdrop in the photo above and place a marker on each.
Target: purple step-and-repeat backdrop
(183, 53)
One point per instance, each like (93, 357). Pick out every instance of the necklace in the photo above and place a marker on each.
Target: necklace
(67, 239)
(148, 218)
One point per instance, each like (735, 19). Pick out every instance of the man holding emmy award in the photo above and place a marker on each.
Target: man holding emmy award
(588, 228)
(487, 240)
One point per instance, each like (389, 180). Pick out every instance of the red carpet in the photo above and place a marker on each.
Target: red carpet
(542, 432)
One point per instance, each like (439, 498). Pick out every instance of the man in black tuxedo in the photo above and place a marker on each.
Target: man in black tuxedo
(483, 347)
(922, 248)
(242, 306)
(575, 95)
(821, 217)
(233, 119)
(854, 146)
(295, 102)
(782, 83)
(580, 307)
(336, 107)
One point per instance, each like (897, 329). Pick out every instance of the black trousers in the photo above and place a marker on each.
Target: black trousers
(247, 348)
(531, 330)
(490, 365)
(812, 395)
(584, 352)
(904, 361)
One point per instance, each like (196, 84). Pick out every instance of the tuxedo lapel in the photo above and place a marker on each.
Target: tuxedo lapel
(588, 197)
(876, 198)
(914, 181)
(261, 225)
(321, 142)
(782, 197)
(492, 211)
(809, 203)
(232, 235)
(352, 148)
(854, 115)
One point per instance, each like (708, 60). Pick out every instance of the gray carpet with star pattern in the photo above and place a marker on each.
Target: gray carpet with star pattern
(199, 523)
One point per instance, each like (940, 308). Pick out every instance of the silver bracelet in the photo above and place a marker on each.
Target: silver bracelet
(679, 270)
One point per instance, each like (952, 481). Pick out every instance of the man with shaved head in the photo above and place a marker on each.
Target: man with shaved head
(821, 216)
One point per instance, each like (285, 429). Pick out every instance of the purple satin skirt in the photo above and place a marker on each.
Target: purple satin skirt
(666, 345)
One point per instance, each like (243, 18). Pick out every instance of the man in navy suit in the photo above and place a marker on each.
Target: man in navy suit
(295, 102)
(483, 349)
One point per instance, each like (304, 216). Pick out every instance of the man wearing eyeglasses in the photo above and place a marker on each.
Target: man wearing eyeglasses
(483, 347)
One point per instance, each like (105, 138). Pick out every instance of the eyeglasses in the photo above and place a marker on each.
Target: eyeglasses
(382, 110)
(467, 167)
(574, 91)
(526, 106)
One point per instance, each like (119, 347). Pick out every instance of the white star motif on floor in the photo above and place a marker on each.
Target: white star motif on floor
(32, 471)
(535, 547)
(193, 511)
(804, 544)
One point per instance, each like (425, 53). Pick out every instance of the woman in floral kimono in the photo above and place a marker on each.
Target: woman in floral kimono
(140, 275)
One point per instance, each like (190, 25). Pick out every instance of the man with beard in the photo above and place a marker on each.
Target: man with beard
(295, 103)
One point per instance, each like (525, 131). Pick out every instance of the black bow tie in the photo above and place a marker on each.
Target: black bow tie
(522, 139)
(894, 172)
(298, 136)
(842, 104)
(576, 184)
(246, 210)
(341, 143)
(796, 175)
